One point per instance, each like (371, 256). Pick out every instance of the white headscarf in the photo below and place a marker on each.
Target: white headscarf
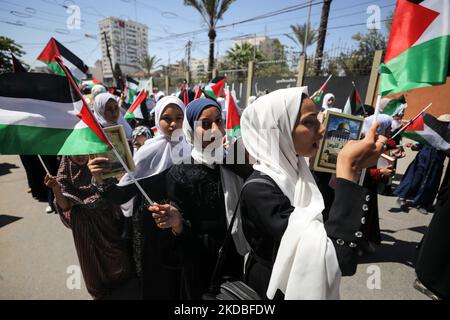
(383, 120)
(98, 89)
(251, 99)
(159, 96)
(306, 265)
(157, 154)
(99, 113)
(231, 183)
(327, 97)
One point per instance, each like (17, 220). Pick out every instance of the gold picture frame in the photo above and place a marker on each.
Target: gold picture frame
(339, 129)
(116, 135)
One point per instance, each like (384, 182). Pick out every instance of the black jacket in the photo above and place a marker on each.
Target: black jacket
(265, 214)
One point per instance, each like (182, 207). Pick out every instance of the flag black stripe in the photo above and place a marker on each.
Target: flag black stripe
(39, 86)
(67, 54)
(439, 127)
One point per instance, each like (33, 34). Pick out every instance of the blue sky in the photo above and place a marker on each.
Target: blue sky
(32, 23)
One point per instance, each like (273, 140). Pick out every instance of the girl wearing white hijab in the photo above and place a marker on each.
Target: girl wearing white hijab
(294, 254)
(203, 194)
(328, 101)
(107, 113)
(153, 160)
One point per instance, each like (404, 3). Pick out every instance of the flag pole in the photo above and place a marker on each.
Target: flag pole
(411, 121)
(43, 164)
(376, 113)
(73, 84)
(322, 86)
(326, 82)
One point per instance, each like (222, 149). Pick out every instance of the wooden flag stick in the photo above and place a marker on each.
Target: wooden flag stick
(43, 164)
(75, 87)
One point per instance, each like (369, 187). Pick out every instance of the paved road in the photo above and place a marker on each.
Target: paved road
(36, 249)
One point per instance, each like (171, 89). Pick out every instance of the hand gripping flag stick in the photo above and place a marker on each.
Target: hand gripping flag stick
(75, 87)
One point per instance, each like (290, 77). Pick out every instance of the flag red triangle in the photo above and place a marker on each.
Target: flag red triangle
(232, 113)
(50, 52)
(416, 125)
(137, 103)
(218, 87)
(410, 22)
(198, 93)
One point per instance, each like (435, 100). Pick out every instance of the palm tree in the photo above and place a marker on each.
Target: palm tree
(240, 55)
(148, 63)
(321, 36)
(211, 11)
(299, 35)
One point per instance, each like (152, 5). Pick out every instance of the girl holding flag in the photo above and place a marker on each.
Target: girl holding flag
(203, 194)
(159, 276)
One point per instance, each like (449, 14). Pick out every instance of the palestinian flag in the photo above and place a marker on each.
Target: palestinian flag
(155, 131)
(429, 130)
(233, 125)
(40, 114)
(354, 105)
(17, 65)
(135, 111)
(75, 65)
(132, 87)
(319, 97)
(215, 88)
(418, 51)
(198, 93)
(391, 106)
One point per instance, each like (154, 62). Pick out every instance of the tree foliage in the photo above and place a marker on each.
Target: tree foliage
(7, 46)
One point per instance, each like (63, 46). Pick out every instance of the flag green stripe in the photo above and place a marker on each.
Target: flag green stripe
(423, 65)
(413, 135)
(18, 139)
(59, 71)
(129, 116)
(318, 98)
(392, 107)
(235, 131)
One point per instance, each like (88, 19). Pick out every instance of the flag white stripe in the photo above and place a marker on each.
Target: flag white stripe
(440, 27)
(434, 138)
(39, 113)
(77, 73)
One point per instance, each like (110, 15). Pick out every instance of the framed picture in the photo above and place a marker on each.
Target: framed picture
(118, 138)
(339, 129)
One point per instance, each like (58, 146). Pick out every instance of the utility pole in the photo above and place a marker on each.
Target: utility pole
(188, 53)
(321, 36)
(307, 28)
(110, 61)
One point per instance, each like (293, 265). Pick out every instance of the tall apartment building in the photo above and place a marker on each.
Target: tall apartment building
(128, 44)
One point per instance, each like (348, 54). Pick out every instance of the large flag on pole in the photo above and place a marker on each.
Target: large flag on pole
(418, 51)
(233, 125)
(55, 49)
(40, 114)
(135, 111)
(427, 129)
